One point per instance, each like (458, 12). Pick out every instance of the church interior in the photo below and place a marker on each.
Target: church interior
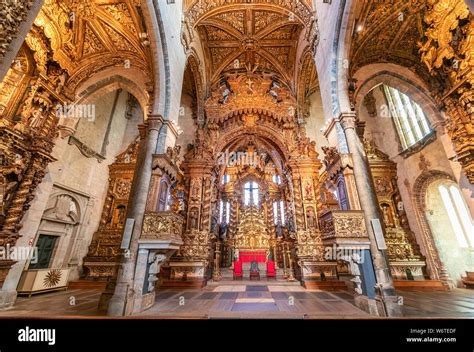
(237, 158)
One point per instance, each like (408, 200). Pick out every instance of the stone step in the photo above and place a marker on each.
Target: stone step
(329, 285)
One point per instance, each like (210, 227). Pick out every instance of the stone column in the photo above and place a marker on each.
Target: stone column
(122, 302)
(386, 294)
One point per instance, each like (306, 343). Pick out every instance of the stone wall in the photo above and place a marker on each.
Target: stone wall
(432, 157)
(82, 177)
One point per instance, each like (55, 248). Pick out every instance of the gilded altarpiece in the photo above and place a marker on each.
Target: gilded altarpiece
(29, 125)
(405, 259)
(254, 116)
(102, 260)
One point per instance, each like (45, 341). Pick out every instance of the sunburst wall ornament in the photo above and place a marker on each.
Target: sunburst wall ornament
(52, 278)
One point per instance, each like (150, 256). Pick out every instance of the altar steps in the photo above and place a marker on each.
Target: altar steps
(421, 285)
(329, 285)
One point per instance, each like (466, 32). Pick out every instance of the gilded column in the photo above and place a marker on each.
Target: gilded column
(299, 210)
(206, 208)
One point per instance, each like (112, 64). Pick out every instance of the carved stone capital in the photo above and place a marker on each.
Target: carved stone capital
(348, 120)
(154, 122)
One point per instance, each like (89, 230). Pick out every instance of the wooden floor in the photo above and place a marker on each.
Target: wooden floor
(247, 300)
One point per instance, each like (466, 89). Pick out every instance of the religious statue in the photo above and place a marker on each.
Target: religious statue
(36, 118)
(309, 191)
(193, 219)
(310, 218)
(195, 189)
(60, 82)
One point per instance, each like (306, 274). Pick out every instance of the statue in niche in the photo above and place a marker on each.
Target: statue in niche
(310, 218)
(119, 218)
(308, 191)
(37, 118)
(193, 219)
(252, 242)
(387, 215)
(401, 213)
(223, 231)
(279, 230)
(60, 82)
(195, 189)
(215, 227)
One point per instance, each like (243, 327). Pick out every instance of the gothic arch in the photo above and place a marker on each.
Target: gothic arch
(194, 66)
(402, 79)
(261, 133)
(96, 89)
(341, 52)
(436, 268)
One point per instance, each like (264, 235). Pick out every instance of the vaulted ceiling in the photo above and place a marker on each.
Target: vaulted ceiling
(254, 36)
(257, 39)
(389, 32)
(87, 36)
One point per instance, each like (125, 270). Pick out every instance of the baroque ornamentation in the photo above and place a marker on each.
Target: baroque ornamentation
(162, 226)
(309, 245)
(402, 248)
(196, 246)
(12, 14)
(101, 261)
(252, 231)
(343, 225)
(448, 53)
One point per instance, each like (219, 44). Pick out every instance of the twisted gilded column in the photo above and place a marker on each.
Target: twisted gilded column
(298, 197)
(206, 208)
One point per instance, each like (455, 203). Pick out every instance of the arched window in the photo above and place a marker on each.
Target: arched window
(251, 193)
(458, 214)
(279, 213)
(224, 206)
(226, 179)
(277, 179)
(410, 120)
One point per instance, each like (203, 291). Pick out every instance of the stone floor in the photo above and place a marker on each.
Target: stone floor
(251, 300)
(247, 300)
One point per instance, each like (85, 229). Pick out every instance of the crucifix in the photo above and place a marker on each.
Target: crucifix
(252, 191)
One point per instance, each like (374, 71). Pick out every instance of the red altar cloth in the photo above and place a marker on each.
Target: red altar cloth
(248, 257)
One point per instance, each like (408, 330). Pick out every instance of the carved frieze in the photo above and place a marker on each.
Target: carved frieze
(309, 245)
(342, 226)
(162, 226)
(196, 246)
